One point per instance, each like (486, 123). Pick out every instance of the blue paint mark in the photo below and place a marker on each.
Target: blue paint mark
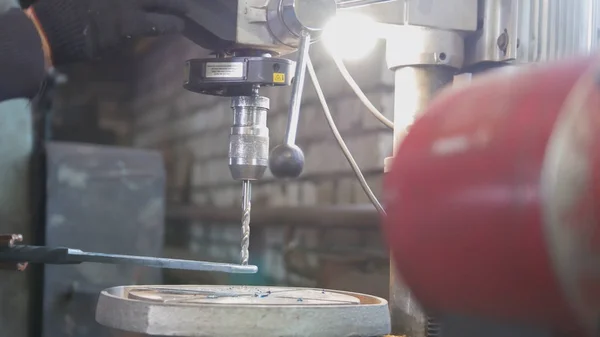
(262, 295)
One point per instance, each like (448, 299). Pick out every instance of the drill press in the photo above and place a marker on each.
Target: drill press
(247, 61)
(241, 77)
(247, 37)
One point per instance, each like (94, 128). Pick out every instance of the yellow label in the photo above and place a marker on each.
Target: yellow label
(279, 77)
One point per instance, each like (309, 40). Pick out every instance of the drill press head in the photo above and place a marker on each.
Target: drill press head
(241, 77)
(245, 36)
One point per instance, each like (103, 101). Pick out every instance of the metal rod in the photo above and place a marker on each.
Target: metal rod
(297, 90)
(246, 209)
(363, 216)
(162, 262)
(60, 255)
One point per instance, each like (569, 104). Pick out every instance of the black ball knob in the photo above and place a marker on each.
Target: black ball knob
(286, 161)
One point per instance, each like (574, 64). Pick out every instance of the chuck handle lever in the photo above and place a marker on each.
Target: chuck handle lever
(287, 159)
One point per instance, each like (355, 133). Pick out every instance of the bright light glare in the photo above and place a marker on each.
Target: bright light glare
(350, 36)
(408, 98)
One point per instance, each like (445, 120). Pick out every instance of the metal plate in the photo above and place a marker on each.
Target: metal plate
(231, 311)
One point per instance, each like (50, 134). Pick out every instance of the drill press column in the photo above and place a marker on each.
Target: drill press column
(419, 74)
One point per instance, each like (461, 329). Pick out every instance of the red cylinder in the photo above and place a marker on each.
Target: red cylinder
(475, 201)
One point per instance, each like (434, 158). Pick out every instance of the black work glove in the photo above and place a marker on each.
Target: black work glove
(79, 30)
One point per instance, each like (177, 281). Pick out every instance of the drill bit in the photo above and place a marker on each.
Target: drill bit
(246, 208)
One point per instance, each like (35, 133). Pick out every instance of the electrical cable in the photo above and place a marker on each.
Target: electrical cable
(340, 140)
(358, 91)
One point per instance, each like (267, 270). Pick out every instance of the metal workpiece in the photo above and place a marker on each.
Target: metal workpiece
(498, 38)
(66, 256)
(249, 138)
(289, 19)
(242, 311)
(419, 46)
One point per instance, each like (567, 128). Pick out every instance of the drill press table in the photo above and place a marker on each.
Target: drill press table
(232, 311)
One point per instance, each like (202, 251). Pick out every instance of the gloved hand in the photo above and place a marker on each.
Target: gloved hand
(79, 30)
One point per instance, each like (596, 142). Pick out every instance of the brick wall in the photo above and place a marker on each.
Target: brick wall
(192, 132)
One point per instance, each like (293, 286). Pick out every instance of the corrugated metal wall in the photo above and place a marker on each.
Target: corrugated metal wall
(555, 29)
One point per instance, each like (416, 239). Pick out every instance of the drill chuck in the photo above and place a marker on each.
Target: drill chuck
(249, 138)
